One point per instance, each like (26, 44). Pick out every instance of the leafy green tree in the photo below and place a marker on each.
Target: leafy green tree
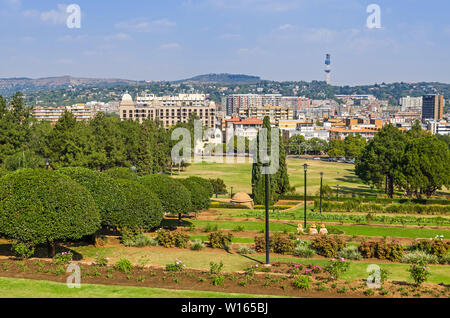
(278, 182)
(219, 186)
(68, 144)
(336, 148)
(174, 197)
(24, 159)
(107, 145)
(205, 183)
(354, 145)
(14, 126)
(380, 161)
(425, 166)
(104, 190)
(40, 206)
(142, 210)
(200, 197)
(296, 145)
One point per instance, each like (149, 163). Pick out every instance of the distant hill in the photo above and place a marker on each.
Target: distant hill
(223, 78)
(9, 86)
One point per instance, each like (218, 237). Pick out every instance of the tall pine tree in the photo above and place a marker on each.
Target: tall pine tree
(279, 181)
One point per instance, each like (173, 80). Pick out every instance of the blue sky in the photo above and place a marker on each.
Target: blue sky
(277, 40)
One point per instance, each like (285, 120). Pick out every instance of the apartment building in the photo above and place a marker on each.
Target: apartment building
(53, 113)
(235, 102)
(169, 110)
(276, 113)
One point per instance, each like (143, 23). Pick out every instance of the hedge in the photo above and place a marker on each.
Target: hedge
(354, 206)
(174, 197)
(121, 173)
(142, 210)
(41, 205)
(205, 183)
(368, 199)
(200, 197)
(104, 189)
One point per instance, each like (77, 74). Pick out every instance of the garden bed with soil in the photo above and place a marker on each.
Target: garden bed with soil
(249, 282)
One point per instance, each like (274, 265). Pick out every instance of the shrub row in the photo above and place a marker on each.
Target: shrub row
(327, 245)
(172, 239)
(392, 251)
(353, 206)
(371, 200)
(277, 243)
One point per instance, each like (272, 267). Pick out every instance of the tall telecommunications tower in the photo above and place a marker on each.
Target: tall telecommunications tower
(327, 68)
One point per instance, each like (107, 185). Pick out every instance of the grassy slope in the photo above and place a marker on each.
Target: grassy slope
(238, 175)
(26, 288)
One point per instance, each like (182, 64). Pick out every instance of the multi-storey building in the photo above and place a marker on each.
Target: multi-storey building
(409, 102)
(169, 110)
(235, 102)
(276, 113)
(433, 107)
(53, 113)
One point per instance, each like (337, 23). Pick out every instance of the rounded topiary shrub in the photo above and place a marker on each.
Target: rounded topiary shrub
(141, 209)
(104, 189)
(174, 197)
(205, 183)
(39, 206)
(121, 173)
(200, 197)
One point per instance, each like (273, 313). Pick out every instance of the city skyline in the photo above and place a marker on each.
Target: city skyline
(277, 40)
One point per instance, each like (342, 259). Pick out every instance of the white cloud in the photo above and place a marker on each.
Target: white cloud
(28, 39)
(228, 36)
(54, 16)
(15, 4)
(58, 16)
(260, 5)
(64, 61)
(285, 27)
(118, 37)
(142, 25)
(170, 46)
(70, 38)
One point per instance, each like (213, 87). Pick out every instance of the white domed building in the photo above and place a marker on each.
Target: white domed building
(127, 107)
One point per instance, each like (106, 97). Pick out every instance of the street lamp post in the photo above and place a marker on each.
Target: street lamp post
(321, 177)
(305, 166)
(267, 176)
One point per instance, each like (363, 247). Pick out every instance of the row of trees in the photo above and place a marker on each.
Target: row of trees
(350, 147)
(101, 143)
(40, 206)
(414, 162)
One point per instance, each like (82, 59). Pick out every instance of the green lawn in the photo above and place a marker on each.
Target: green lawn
(238, 175)
(27, 288)
(347, 229)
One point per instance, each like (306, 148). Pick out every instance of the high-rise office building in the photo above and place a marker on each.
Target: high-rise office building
(433, 107)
